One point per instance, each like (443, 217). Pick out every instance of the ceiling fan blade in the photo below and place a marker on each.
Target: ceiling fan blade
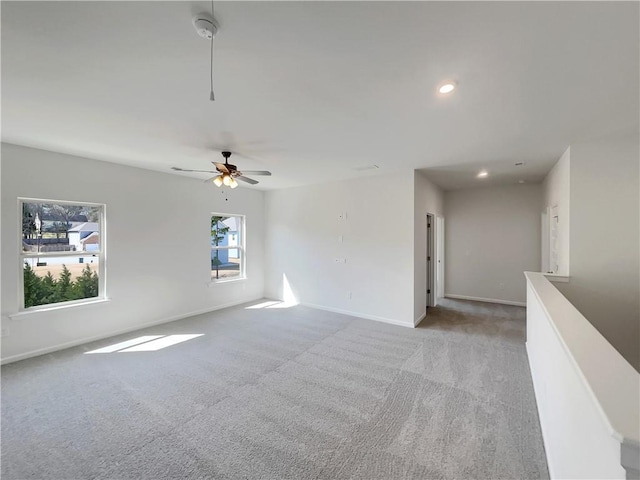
(248, 180)
(178, 169)
(257, 172)
(221, 167)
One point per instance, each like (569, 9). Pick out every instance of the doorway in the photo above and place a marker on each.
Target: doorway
(439, 256)
(431, 287)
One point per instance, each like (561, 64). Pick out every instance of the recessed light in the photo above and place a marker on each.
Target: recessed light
(483, 174)
(520, 181)
(447, 88)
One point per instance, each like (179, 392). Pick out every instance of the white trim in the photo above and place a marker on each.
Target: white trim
(101, 254)
(66, 253)
(224, 281)
(584, 370)
(619, 432)
(430, 219)
(486, 300)
(440, 257)
(75, 343)
(417, 321)
(242, 248)
(359, 315)
(550, 463)
(557, 278)
(61, 202)
(48, 307)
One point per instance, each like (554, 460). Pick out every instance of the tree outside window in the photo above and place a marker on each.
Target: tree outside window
(227, 247)
(61, 252)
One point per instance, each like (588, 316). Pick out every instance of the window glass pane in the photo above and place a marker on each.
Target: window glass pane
(226, 247)
(59, 279)
(51, 227)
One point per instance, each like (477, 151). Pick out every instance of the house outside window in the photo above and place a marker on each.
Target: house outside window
(61, 253)
(227, 247)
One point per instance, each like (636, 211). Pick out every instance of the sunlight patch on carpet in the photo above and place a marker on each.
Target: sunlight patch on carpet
(146, 343)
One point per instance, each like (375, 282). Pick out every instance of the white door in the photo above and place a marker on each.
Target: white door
(439, 258)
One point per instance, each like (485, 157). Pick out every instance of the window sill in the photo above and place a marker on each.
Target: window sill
(224, 282)
(49, 308)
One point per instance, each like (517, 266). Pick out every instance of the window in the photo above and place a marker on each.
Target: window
(61, 252)
(227, 247)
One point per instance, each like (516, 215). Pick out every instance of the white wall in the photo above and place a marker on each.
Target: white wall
(556, 188)
(605, 240)
(492, 236)
(302, 242)
(149, 215)
(428, 198)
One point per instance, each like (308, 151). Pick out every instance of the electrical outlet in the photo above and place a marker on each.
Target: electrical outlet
(342, 216)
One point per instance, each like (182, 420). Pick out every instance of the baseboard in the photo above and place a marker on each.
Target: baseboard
(82, 341)
(359, 315)
(486, 300)
(417, 321)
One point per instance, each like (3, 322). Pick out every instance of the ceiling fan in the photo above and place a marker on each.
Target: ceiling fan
(227, 173)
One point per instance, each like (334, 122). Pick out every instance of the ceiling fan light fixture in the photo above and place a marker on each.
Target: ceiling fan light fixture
(226, 173)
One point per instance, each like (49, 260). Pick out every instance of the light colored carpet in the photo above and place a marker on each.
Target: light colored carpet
(284, 393)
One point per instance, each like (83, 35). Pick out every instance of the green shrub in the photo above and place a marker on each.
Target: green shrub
(46, 290)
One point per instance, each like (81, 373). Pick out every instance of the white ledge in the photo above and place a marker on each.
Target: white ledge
(612, 382)
(224, 282)
(56, 306)
(557, 278)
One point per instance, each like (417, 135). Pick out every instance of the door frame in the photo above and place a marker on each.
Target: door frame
(431, 276)
(439, 283)
(545, 241)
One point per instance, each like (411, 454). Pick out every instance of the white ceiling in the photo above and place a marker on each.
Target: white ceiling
(314, 90)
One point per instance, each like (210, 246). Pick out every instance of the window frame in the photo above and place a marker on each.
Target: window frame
(101, 254)
(241, 247)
